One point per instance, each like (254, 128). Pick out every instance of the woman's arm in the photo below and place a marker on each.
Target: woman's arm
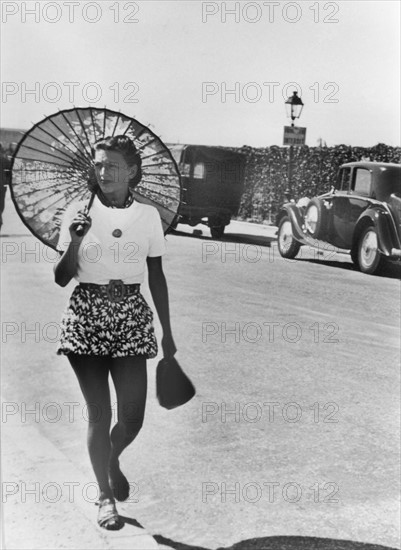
(158, 289)
(66, 267)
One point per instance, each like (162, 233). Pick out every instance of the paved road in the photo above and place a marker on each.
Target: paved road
(294, 429)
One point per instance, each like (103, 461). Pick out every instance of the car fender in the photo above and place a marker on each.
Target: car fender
(296, 218)
(380, 220)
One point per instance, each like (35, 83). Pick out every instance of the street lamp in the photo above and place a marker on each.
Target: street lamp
(294, 106)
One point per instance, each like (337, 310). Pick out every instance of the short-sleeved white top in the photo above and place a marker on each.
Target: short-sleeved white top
(102, 256)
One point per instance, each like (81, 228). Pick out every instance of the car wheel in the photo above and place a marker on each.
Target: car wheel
(217, 231)
(287, 245)
(369, 258)
(315, 218)
(216, 226)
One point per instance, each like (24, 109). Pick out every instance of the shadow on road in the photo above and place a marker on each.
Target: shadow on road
(248, 239)
(14, 235)
(261, 240)
(390, 271)
(131, 521)
(281, 543)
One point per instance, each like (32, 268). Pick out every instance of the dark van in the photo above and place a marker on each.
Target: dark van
(212, 181)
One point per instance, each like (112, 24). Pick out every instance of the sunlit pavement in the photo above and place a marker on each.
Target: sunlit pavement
(291, 442)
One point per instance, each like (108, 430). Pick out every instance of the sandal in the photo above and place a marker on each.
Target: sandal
(108, 517)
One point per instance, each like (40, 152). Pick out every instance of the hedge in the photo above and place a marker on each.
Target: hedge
(314, 172)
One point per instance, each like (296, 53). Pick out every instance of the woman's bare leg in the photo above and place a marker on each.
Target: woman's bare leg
(130, 380)
(92, 373)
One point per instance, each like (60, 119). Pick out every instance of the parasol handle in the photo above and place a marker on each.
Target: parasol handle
(80, 229)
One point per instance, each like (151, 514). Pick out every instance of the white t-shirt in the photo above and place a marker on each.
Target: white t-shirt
(101, 255)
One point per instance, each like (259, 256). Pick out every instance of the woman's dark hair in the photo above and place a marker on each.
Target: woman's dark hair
(123, 145)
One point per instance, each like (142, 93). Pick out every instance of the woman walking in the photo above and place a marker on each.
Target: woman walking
(107, 328)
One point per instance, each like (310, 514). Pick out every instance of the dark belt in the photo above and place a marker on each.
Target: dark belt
(115, 291)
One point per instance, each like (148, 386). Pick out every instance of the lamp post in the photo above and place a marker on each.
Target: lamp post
(294, 106)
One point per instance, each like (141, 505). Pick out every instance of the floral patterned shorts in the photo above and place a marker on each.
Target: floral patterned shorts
(94, 325)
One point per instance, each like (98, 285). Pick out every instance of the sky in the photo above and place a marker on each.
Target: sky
(213, 73)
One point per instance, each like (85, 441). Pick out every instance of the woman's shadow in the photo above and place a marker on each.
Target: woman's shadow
(279, 543)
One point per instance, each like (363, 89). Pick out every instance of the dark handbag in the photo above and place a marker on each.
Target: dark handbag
(173, 387)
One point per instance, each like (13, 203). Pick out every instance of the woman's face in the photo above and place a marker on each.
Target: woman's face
(112, 172)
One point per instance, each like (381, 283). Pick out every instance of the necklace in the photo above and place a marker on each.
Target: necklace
(128, 201)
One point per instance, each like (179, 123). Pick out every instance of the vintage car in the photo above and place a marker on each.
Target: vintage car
(360, 214)
(213, 182)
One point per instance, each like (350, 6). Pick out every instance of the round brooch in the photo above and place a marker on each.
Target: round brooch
(117, 233)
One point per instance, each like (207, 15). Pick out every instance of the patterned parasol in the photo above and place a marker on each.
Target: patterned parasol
(53, 162)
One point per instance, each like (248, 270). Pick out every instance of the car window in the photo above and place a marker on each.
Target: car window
(339, 178)
(199, 171)
(344, 179)
(362, 182)
(185, 170)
